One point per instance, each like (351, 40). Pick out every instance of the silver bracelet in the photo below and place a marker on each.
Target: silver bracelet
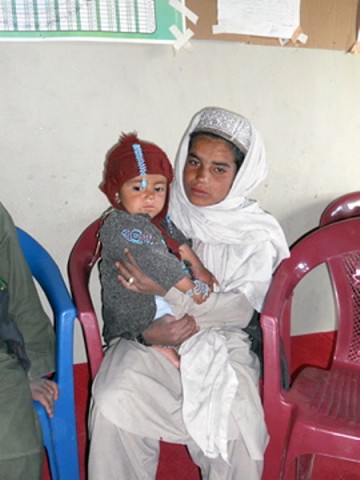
(200, 288)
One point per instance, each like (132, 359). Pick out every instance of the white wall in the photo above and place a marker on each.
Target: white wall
(63, 104)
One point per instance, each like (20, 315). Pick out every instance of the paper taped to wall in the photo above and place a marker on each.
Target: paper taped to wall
(266, 18)
(126, 20)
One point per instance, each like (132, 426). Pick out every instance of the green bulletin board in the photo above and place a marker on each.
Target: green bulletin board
(126, 20)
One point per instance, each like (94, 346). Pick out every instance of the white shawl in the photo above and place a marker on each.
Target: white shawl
(237, 241)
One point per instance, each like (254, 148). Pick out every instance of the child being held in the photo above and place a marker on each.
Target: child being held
(136, 181)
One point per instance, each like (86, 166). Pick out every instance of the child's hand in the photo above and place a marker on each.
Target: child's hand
(205, 276)
(46, 392)
(199, 299)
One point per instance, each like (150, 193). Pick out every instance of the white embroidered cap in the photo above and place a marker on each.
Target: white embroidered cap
(231, 126)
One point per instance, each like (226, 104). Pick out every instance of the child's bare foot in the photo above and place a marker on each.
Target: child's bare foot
(170, 353)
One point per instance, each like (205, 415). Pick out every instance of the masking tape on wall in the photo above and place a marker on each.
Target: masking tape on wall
(180, 7)
(182, 39)
(355, 48)
(299, 36)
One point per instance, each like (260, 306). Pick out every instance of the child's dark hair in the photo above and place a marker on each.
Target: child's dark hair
(239, 156)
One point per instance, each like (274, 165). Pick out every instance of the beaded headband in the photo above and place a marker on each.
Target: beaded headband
(141, 163)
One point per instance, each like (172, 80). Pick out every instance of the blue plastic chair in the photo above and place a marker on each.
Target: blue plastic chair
(59, 432)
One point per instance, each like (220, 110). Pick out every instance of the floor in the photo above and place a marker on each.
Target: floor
(175, 463)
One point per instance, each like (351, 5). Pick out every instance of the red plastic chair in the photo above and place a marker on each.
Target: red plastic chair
(83, 257)
(346, 206)
(320, 412)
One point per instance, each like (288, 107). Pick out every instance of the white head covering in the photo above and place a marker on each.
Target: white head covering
(236, 240)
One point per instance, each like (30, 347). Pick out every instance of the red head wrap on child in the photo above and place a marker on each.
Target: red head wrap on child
(130, 158)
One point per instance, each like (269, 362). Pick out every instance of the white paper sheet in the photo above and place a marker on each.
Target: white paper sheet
(266, 18)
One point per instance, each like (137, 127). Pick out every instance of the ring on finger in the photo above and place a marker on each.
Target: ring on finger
(130, 281)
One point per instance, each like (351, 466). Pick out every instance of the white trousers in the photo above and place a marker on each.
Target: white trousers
(137, 401)
(116, 454)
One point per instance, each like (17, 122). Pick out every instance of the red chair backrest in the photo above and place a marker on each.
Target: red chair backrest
(82, 259)
(338, 246)
(346, 206)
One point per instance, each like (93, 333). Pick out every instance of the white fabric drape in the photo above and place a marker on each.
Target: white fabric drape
(212, 385)
(209, 389)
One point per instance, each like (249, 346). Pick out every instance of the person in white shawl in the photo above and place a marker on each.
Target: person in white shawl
(213, 405)
(236, 240)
